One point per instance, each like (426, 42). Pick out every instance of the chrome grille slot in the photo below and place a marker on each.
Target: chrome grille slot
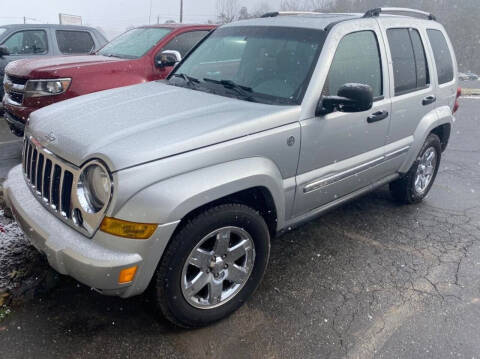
(47, 177)
(66, 194)
(54, 182)
(39, 175)
(33, 169)
(55, 188)
(29, 161)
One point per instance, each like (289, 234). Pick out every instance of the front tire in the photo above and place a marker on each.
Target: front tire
(212, 265)
(415, 185)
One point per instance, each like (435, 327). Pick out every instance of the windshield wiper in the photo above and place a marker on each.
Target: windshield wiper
(244, 91)
(188, 79)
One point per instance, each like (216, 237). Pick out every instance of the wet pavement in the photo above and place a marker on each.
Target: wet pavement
(370, 279)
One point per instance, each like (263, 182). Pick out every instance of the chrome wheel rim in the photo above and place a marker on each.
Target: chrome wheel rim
(218, 267)
(425, 170)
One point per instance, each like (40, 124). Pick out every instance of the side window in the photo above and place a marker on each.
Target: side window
(420, 59)
(442, 55)
(410, 68)
(27, 42)
(356, 60)
(74, 42)
(183, 43)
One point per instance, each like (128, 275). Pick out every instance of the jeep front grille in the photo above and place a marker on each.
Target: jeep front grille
(53, 182)
(49, 178)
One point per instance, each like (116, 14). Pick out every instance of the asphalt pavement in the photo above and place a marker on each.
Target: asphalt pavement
(372, 279)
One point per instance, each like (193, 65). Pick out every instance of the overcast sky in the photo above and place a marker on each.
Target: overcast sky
(113, 15)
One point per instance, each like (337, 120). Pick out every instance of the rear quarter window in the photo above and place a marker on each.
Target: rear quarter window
(442, 55)
(74, 42)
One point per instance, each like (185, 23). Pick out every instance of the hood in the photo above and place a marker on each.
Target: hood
(136, 124)
(48, 67)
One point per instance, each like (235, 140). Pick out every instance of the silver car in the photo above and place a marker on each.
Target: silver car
(180, 184)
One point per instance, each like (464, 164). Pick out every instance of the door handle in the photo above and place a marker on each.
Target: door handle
(428, 100)
(377, 116)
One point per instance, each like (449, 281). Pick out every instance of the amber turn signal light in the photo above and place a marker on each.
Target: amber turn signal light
(127, 274)
(126, 229)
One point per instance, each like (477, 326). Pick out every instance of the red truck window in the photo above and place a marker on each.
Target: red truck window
(183, 43)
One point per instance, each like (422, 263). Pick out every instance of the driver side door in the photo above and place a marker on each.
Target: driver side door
(342, 152)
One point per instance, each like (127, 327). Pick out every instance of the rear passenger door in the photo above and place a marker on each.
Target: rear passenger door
(341, 152)
(412, 91)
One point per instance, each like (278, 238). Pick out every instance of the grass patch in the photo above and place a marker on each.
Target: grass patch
(4, 312)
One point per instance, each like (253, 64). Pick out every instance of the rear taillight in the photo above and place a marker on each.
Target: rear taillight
(457, 105)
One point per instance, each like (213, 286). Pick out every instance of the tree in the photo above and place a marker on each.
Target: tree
(320, 5)
(243, 13)
(261, 9)
(227, 11)
(292, 5)
(460, 19)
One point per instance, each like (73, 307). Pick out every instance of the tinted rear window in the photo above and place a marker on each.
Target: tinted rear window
(410, 69)
(443, 57)
(74, 42)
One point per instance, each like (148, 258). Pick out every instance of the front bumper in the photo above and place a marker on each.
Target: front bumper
(87, 260)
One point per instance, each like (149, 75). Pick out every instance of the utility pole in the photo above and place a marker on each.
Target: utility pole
(150, 13)
(24, 20)
(181, 11)
(158, 19)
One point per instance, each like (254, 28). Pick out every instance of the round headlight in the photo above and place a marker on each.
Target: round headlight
(94, 188)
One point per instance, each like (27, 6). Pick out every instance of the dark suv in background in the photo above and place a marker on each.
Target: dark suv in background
(27, 40)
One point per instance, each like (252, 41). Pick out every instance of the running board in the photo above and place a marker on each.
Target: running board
(297, 221)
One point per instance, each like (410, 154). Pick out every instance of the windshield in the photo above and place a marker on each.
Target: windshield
(134, 43)
(262, 64)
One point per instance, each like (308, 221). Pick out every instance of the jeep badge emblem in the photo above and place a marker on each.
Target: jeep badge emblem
(50, 137)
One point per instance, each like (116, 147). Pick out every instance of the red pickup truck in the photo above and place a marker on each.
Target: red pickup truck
(139, 55)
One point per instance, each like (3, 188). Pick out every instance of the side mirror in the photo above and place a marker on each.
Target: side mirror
(4, 51)
(351, 97)
(167, 58)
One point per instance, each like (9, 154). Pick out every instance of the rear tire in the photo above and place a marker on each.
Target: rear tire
(414, 186)
(212, 265)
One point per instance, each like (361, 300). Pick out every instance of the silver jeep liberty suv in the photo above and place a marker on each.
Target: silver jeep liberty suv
(179, 185)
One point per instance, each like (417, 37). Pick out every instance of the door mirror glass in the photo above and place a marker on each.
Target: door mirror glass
(4, 51)
(351, 97)
(167, 58)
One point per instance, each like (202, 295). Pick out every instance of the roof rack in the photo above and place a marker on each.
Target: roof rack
(286, 13)
(377, 11)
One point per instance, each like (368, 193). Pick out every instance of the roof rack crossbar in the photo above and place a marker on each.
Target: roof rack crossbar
(392, 10)
(286, 13)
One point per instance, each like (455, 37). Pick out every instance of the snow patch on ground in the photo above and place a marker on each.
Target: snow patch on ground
(19, 261)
